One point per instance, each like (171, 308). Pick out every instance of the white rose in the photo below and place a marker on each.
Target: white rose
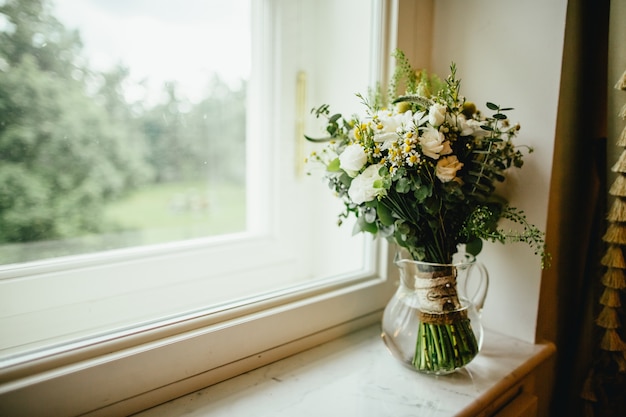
(447, 168)
(420, 118)
(470, 127)
(352, 159)
(389, 124)
(432, 142)
(437, 114)
(362, 187)
(386, 139)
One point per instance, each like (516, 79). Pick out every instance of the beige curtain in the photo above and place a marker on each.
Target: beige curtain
(595, 41)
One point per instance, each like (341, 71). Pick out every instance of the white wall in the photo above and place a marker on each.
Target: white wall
(509, 52)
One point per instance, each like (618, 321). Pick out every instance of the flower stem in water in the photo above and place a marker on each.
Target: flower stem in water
(444, 347)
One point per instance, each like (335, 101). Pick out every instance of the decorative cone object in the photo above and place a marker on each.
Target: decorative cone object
(611, 344)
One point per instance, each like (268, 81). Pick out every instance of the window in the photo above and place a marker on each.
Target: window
(124, 137)
(291, 268)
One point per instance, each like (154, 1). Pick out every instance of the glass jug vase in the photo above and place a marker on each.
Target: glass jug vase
(432, 323)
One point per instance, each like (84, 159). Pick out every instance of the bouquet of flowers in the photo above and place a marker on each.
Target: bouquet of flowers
(421, 170)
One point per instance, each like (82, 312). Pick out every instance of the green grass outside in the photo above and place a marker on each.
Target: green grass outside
(155, 214)
(218, 208)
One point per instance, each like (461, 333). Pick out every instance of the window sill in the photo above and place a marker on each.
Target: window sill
(355, 375)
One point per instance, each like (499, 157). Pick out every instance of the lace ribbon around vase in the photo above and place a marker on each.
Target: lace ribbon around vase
(430, 324)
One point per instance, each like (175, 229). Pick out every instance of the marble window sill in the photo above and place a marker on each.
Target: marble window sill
(356, 376)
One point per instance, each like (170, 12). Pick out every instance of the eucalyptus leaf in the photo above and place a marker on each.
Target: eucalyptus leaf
(385, 215)
(345, 179)
(497, 176)
(485, 187)
(319, 140)
(366, 227)
(333, 166)
(334, 118)
(474, 247)
(403, 185)
(422, 192)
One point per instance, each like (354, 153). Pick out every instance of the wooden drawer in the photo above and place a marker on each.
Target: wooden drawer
(523, 405)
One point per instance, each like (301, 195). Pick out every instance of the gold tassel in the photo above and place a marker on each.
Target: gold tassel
(622, 112)
(621, 83)
(610, 297)
(614, 258)
(621, 361)
(621, 141)
(616, 234)
(608, 318)
(617, 212)
(588, 393)
(620, 165)
(618, 188)
(614, 278)
(612, 342)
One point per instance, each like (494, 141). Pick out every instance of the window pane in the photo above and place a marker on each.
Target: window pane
(291, 241)
(122, 123)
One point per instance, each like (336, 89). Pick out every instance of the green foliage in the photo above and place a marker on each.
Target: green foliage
(66, 151)
(403, 74)
(76, 155)
(32, 31)
(417, 85)
(483, 223)
(191, 144)
(23, 198)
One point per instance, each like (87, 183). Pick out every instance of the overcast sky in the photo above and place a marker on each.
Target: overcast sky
(162, 40)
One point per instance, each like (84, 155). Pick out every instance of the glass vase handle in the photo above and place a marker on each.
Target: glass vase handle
(475, 284)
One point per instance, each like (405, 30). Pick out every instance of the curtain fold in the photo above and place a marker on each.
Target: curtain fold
(584, 152)
(577, 202)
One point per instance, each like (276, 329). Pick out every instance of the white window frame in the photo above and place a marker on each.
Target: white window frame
(148, 364)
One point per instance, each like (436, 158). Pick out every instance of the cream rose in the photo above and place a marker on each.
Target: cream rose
(352, 159)
(362, 188)
(447, 149)
(437, 114)
(432, 142)
(447, 167)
